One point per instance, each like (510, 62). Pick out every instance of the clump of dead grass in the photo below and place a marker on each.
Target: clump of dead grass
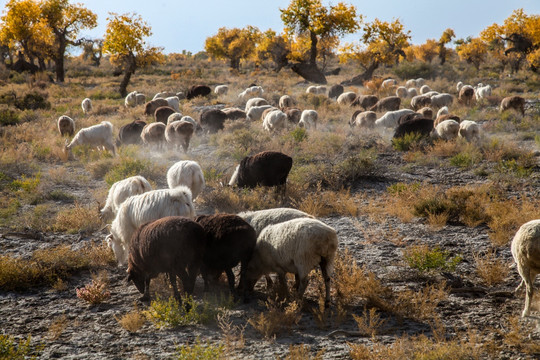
(133, 320)
(79, 218)
(278, 318)
(491, 269)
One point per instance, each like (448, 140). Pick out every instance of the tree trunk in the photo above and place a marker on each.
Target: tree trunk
(309, 72)
(130, 70)
(313, 52)
(358, 80)
(59, 58)
(235, 63)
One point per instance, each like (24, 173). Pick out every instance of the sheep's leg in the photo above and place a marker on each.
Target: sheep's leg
(204, 273)
(230, 278)
(191, 277)
(284, 290)
(302, 286)
(326, 278)
(527, 279)
(146, 295)
(172, 279)
(243, 291)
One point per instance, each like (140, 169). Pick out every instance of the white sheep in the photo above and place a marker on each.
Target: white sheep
(140, 209)
(388, 83)
(391, 118)
(86, 105)
(412, 92)
(140, 98)
(526, 252)
(187, 173)
(120, 191)
(221, 89)
(316, 90)
(296, 246)
(275, 120)
(285, 102)
(424, 89)
(262, 218)
(346, 98)
(447, 130)
(66, 125)
(459, 85)
(190, 119)
(442, 111)
(254, 91)
(469, 130)
(255, 102)
(309, 119)
(100, 136)
(177, 116)
(163, 95)
(174, 102)
(420, 82)
(131, 99)
(431, 93)
(482, 92)
(365, 119)
(411, 83)
(441, 100)
(255, 112)
(402, 92)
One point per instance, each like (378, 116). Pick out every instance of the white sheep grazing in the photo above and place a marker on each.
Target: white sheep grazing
(163, 95)
(425, 89)
(254, 91)
(442, 111)
(140, 98)
(526, 252)
(100, 136)
(365, 119)
(140, 209)
(86, 105)
(459, 85)
(391, 118)
(411, 83)
(401, 92)
(221, 89)
(482, 92)
(296, 246)
(262, 218)
(177, 116)
(447, 130)
(346, 98)
(309, 119)
(66, 125)
(412, 92)
(131, 99)
(316, 90)
(275, 120)
(420, 82)
(257, 101)
(174, 102)
(190, 119)
(285, 102)
(441, 100)
(388, 83)
(469, 130)
(187, 173)
(120, 191)
(255, 112)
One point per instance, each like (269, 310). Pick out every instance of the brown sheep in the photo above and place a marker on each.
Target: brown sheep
(151, 106)
(162, 113)
(154, 134)
(390, 103)
(66, 125)
(441, 118)
(179, 133)
(293, 115)
(365, 101)
(130, 133)
(466, 94)
(513, 102)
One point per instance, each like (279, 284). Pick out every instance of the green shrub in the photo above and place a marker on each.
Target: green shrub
(413, 70)
(11, 350)
(298, 134)
(422, 258)
(407, 142)
(33, 101)
(463, 160)
(8, 116)
(126, 168)
(200, 351)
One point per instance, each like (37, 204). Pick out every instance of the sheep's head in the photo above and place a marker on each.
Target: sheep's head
(234, 177)
(137, 278)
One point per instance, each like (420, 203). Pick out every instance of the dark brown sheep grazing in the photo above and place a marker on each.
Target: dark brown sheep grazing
(151, 106)
(420, 126)
(174, 245)
(293, 115)
(466, 94)
(441, 118)
(235, 114)
(335, 91)
(162, 113)
(408, 117)
(130, 133)
(198, 90)
(267, 168)
(513, 102)
(365, 101)
(231, 240)
(390, 103)
(212, 120)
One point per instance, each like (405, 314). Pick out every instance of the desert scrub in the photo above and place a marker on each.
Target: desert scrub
(492, 270)
(94, 293)
(278, 318)
(322, 203)
(11, 349)
(233, 200)
(76, 219)
(133, 320)
(422, 258)
(8, 116)
(201, 351)
(303, 352)
(46, 266)
(408, 142)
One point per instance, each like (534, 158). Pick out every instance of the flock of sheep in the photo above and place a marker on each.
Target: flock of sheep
(157, 231)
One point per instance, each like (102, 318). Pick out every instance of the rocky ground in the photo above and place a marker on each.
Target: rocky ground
(92, 332)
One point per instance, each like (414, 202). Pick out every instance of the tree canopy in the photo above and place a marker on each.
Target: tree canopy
(233, 44)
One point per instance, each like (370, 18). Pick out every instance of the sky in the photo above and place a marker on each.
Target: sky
(184, 25)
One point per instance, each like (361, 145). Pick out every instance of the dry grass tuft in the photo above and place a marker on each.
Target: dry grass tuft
(80, 218)
(279, 317)
(303, 352)
(233, 334)
(369, 322)
(491, 269)
(133, 320)
(57, 327)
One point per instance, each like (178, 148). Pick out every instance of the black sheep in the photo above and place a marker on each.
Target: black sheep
(174, 245)
(422, 126)
(267, 168)
(162, 114)
(365, 101)
(408, 117)
(212, 120)
(335, 91)
(231, 240)
(198, 90)
(130, 133)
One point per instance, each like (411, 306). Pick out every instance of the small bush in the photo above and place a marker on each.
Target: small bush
(422, 258)
(302, 352)
(77, 219)
(94, 293)
(407, 142)
(33, 101)
(8, 116)
(200, 351)
(169, 313)
(133, 320)
(9, 349)
(491, 269)
(278, 318)
(126, 168)
(413, 70)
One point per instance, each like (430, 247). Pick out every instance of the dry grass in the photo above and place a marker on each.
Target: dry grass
(80, 218)
(369, 323)
(57, 327)
(421, 304)
(491, 269)
(278, 318)
(133, 320)
(233, 334)
(303, 352)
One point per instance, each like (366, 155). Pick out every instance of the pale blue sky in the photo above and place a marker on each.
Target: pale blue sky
(181, 24)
